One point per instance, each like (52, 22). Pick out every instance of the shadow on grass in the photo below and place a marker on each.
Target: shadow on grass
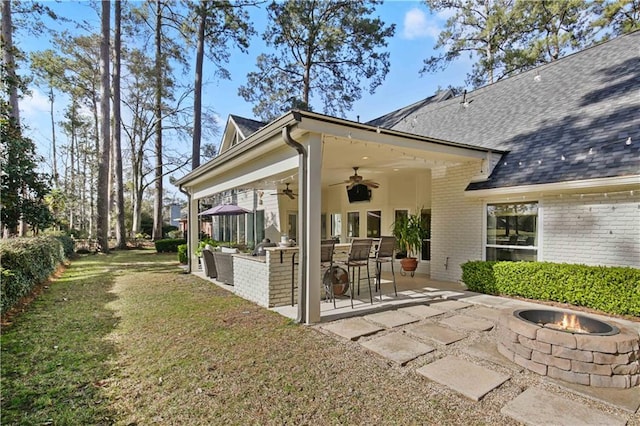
(55, 357)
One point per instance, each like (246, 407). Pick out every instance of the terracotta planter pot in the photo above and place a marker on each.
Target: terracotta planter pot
(409, 264)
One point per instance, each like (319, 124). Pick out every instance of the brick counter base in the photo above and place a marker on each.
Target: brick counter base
(602, 361)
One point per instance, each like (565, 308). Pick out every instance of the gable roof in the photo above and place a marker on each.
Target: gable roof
(563, 121)
(246, 126)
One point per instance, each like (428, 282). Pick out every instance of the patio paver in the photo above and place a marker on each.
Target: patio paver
(422, 311)
(491, 314)
(466, 322)
(538, 407)
(489, 352)
(353, 328)
(462, 376)
(625, 399)
(442, 335)
(397, 347)
(390, 319)
(445, 294)
(449, 305)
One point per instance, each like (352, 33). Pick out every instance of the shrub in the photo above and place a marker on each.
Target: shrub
(183, 256)
(614, 290)
(169, 245)
(68, 245)
(24, 263)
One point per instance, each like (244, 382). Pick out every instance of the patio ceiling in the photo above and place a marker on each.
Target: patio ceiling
(345, 145)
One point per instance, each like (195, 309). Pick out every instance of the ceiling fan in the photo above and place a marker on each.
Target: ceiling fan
(288, 192)
(356, 179)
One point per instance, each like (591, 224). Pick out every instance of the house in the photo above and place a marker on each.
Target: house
(544, 165)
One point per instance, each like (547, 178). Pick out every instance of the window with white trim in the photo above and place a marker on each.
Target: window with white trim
(512, 231)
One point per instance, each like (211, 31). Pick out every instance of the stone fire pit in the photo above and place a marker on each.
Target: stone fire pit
(570, 347)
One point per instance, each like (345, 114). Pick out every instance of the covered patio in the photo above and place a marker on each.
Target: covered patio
(316, 155)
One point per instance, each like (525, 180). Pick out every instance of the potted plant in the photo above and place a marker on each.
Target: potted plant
(409, 232)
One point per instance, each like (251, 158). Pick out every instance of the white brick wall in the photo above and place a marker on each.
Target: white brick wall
(248, 274)
(592, 229)
(456, 222)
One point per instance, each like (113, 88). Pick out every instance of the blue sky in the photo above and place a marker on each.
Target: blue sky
(416, 33)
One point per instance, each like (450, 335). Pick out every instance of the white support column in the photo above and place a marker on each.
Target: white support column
(194, 234)
(314, 206)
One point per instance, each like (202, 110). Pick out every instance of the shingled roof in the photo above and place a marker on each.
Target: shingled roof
(246, 125)
(563, 121)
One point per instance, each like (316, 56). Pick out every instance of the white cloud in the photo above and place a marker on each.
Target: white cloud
(35, 104)
(418, 25)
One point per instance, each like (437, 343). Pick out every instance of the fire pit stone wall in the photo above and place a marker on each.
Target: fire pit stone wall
(602, 361)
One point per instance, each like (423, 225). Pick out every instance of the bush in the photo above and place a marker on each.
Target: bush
(169, 245)
(68, 245)
(183, 256)
(24, 263)
(615, 290)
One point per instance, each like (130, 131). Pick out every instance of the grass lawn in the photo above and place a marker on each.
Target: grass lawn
(129, 339)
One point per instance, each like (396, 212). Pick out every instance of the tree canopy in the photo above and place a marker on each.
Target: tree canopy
(324, 52)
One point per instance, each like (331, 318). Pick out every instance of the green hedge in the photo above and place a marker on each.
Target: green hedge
(183, 256)
(614, 290)
(169, 245)
(24, 263)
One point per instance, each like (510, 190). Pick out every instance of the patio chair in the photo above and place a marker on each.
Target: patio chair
(384, 254)
(208, 263)
(358, 258)
(326, 262)
(224, 267)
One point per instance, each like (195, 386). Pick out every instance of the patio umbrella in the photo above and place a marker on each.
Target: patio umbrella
(224, 210)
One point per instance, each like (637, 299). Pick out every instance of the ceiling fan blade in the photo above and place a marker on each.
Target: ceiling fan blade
(340, 183)
(370, 184)
(291, 196)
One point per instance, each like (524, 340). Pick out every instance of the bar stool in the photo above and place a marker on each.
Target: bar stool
(384, 254)
(359, 257)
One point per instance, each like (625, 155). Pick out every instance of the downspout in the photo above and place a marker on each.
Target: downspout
(189, 244)
(302, 208)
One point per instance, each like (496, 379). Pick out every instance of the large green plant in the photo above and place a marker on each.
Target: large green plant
(409, 231)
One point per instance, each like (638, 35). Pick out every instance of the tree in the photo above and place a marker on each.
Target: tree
(121, 232)
(23, 189)
(102, 204)
(484, 28)
(619, 16)
(323, 49)
(219, 23)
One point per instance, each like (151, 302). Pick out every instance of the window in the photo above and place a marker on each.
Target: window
(425, 217)
(512, 231)
(336, 225)
(251, 237)
(353, 224)
(259, 225)
(374, 219)
(292, 230)
(323, 226)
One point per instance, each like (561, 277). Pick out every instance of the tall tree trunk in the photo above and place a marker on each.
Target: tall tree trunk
(54, 154)
(12, 80)
(9, 60)
(197, 95)
(157, 202)
(121, 232)
(103, 159)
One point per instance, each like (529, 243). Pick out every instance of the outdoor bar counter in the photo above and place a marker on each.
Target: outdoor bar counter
(266, 280)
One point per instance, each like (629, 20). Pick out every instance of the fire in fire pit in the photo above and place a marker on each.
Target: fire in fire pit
(568, 322)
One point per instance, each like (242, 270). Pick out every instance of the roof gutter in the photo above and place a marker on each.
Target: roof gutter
(302, 217)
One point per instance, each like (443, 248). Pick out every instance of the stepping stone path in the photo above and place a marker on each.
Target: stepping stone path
(353, 328)
(397, 347)
(421, 311)
(450, 305)
(445, 294)
(391, 319)
(442, 335)
(462, 376)
(539, 407)
(467, 323)
(532, 407)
